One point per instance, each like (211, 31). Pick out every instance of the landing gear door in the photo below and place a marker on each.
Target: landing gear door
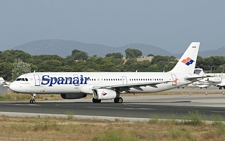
(174, 79)
(37, 80)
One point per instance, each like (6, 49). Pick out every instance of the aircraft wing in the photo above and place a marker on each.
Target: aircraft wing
(220, 85)
(133, 85)
(195, 78)
(203, 86)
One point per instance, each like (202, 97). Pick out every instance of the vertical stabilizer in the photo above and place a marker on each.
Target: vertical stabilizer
(187, 62)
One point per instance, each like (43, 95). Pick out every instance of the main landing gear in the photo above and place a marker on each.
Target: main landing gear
(220, 88)
(118, 100)
(32, 98)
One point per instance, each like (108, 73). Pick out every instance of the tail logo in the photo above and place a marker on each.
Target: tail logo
(188, 61)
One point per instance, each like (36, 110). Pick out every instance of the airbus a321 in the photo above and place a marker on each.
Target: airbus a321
(108, 85)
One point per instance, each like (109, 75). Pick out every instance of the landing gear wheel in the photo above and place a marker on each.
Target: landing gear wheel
(32, 98)
(32, 101)
(96, 100)
(118, 100)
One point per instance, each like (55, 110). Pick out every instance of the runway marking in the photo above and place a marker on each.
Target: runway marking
(181, 101)
(27, 104)
(146, 108)
(123, 108)
(101, 107)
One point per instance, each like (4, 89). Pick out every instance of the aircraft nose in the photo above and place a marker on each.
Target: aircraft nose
(13, 86)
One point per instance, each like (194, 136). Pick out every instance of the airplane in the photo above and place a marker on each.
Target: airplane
(222, 84)
(3, 82)
(108, 85)
(207, 81)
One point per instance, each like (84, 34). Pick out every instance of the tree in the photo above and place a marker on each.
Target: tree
(50, 66)
(131, 65)
(5, 70)
(79, 55)
(133, 53)
(38, 59)
(11, 55)
(19, 68)
(150, 54)
(114, 55)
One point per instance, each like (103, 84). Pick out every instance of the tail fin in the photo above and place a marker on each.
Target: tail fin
(187, 62)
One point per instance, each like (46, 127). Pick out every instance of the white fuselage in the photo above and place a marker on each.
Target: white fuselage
(84, 82)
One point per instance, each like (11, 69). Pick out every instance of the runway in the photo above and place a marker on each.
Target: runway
(133, 107)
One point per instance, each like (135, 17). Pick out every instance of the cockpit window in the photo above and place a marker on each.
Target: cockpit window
(21, 79)
(18, 79)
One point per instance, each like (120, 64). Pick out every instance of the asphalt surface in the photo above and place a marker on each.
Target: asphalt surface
(133, 107)
(128, 109)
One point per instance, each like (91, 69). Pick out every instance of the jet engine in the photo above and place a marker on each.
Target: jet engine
(73, 96)
(104, 94)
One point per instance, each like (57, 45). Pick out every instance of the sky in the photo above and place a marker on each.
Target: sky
(168, 24)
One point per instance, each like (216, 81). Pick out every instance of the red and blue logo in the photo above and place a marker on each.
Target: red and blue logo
(104, 93)
(188, 61)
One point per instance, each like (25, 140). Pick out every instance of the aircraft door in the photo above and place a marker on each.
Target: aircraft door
(174, 79)
(36, 80)
(124, 78)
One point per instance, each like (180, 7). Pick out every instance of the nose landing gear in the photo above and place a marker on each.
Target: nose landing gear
(32, 98)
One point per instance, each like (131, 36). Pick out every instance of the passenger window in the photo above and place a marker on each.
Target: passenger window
(26, 79)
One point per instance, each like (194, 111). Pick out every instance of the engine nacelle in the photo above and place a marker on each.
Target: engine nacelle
(104, 94)
(73, 96)
(214, 79)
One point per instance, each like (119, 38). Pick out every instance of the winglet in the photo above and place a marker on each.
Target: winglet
(187, 62)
